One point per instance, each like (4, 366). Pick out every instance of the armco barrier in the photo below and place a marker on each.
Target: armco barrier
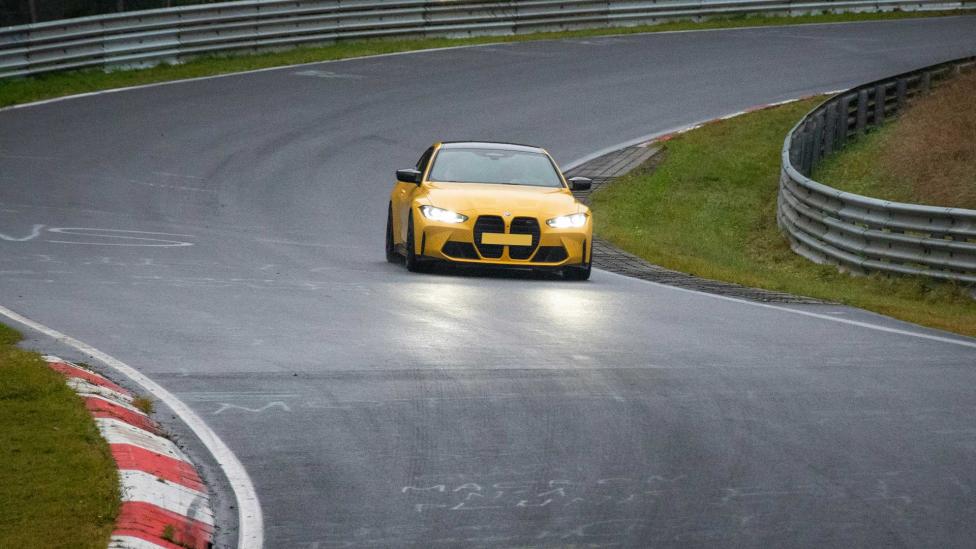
(858, 233)
(151, 36)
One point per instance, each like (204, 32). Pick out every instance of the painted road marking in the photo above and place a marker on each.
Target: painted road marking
(148, 488)
(276, 404)
(144, 521)
(98, 237)
(177, 509)
(132, 542)
(125, 404)
(99, 407)
(328, 74)
(250, 516)
(116, 431)
(35, 232)
(144, 240)
(86, 388)
(130, 457)
(73, 371)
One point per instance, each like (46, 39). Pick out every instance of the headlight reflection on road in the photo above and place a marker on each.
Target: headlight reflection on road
(574, 307)
(435, 321)
(443, 306)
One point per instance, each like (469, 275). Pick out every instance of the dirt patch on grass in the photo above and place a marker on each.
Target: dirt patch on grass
(925, 156)
(933, 145)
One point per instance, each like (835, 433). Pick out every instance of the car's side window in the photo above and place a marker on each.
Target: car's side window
(424, 160)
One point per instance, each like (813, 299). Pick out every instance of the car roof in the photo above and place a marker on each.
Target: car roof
(490, 145)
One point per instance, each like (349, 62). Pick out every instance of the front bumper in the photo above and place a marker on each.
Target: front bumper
(457, 243)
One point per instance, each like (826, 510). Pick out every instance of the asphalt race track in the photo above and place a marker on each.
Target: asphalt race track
(378, 408)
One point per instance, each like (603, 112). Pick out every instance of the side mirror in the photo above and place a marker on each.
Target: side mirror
(580, 183)
(409, 175)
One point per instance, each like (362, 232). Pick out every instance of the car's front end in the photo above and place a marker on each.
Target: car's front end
(512, 236)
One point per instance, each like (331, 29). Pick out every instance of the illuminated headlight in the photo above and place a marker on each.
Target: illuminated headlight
(442, 215)
(567, 221)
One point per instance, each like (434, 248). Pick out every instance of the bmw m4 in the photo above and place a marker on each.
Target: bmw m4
(496, 204)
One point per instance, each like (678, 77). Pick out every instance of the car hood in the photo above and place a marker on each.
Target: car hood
(518, 200)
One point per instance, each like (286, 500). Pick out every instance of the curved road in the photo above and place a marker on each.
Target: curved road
(373, 407)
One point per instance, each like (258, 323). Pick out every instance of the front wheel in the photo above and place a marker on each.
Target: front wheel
(580, 272)
(391, 254)
(413, 262)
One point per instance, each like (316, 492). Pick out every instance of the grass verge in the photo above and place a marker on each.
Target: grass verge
(58, 482)
(24, 90)
(925, 156)
(710, 209)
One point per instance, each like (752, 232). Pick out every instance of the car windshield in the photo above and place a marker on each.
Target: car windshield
(501, 166)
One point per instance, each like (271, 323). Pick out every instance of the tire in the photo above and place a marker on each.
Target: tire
(391, 254)
(413, 262)
(581, 272)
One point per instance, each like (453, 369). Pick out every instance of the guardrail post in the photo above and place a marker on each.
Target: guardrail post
(810, 148)
(811, 145)
(830, 128)
(795, 150)
(880, 92)
(902, 90)
(818, 139)
(926, 83)
(807, 151)
(845, 121)
(862, 111)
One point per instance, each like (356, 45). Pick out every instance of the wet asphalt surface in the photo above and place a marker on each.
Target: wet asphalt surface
(378, 408)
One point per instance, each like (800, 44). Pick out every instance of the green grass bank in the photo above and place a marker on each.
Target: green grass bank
(24, 90)
(58, 482)
(710, 209)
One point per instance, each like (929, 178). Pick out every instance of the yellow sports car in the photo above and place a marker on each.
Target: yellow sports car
(489, 204)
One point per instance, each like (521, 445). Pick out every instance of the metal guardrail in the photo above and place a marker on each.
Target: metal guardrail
(858, 233)
(152, 36)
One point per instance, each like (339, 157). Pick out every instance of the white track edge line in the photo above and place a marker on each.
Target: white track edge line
(941, 339)
(463, 46)
(675, 130)
(250, 518)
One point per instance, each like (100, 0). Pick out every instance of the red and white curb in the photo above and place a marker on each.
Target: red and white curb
(164, 501)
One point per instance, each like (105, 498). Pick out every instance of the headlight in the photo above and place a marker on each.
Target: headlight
(442, 215)
(567, 221)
